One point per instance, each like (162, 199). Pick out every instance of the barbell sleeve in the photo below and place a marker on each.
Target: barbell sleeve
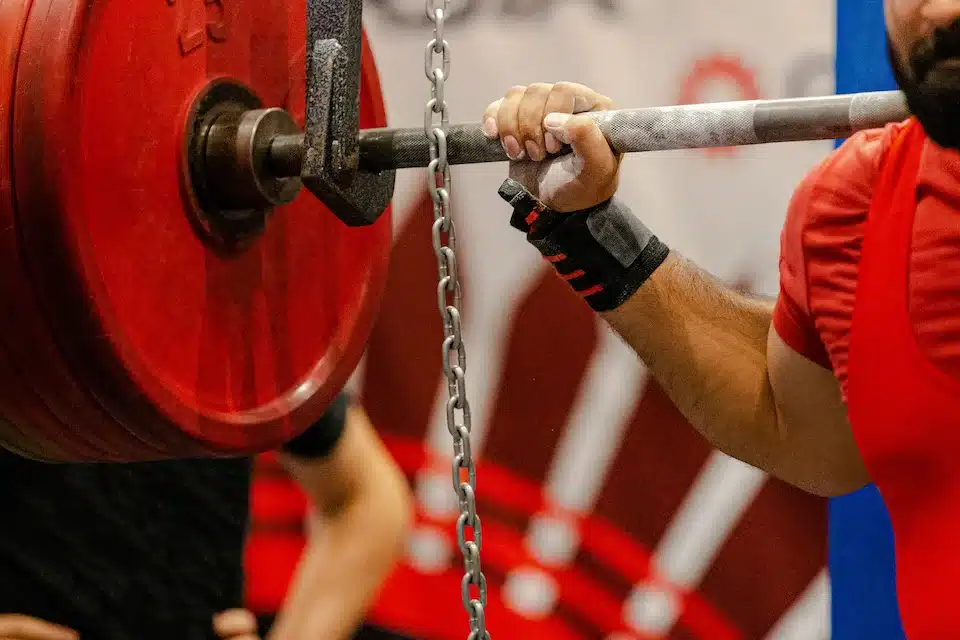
(720, 124)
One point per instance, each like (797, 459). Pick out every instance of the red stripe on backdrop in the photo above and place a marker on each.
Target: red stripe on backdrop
(775, 552)
(549, 348)
(658, 460)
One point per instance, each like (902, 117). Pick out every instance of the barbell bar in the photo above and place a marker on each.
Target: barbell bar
(352, 170)
(722, 124)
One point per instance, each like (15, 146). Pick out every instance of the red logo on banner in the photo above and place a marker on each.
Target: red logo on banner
(719, 69)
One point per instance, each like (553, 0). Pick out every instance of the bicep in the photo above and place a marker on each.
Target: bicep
(812, 419)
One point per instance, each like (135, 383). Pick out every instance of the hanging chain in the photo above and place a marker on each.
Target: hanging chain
(449, 303)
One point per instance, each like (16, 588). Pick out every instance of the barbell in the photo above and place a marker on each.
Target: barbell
(169, 289)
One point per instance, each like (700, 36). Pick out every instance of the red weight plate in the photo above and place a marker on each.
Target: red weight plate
(14, 432)
(240, 353)
(29, 368)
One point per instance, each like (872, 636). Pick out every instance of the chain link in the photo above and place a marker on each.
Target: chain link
(473, 587)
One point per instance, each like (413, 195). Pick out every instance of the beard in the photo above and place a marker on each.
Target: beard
(930, 81)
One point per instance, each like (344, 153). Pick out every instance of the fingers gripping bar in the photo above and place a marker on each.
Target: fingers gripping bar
(719, 124)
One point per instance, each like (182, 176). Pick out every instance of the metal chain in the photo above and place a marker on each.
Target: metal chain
(449, 303)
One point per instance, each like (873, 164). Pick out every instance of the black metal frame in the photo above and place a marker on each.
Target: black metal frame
(331, 149)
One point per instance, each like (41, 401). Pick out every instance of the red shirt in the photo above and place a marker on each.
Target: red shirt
(904, 405)
(821, 244)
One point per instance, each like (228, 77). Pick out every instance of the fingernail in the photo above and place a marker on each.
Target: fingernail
(490, 128)
(512, 147)
(556, 123)
(580, 104)
(550, 142)
(533, 150)
(556, 120)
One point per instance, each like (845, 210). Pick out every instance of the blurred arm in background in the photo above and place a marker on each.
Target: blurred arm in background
(362, 510)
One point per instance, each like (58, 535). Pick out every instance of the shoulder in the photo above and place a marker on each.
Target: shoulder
(830, 205)
(819, 244)
(845, 180)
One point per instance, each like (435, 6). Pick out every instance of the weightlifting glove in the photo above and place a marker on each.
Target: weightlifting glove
(605, 253)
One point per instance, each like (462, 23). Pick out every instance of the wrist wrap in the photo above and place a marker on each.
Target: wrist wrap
(605, 253)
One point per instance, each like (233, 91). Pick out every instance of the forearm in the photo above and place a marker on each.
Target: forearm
(706, 344)
(349, 555)
(712, 349)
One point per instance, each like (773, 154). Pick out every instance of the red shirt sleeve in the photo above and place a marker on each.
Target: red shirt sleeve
(791, 315)
(820, 249)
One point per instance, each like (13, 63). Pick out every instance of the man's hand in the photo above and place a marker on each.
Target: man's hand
(17, 627)
(534, 121)
(236, 624)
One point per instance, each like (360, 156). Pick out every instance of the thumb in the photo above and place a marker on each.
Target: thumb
(584, 136)
(27, 628)
(237, 624)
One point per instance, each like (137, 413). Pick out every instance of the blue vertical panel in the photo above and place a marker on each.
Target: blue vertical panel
(864, 605)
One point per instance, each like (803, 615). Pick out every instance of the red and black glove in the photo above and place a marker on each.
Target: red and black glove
(605, 253)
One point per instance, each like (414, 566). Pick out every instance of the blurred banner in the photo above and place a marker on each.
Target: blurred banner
(604, 515)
